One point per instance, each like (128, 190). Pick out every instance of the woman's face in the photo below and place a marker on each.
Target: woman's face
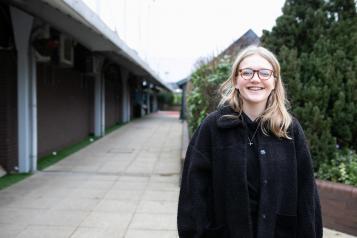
(255, 91)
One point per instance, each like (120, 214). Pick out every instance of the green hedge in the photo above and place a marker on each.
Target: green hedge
(204, 96)
(170, 99)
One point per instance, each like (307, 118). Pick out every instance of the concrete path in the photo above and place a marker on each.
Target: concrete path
(124, 185)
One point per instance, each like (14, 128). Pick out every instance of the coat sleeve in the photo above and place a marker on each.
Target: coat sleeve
(309, 210)
(196, 187)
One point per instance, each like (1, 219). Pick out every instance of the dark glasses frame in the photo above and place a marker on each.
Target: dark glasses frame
(258, 71)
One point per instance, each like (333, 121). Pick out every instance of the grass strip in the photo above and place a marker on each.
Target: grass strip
(53, 158)
(10, 179)
(113, 128)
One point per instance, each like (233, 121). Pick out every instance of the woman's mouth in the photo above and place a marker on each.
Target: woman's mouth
(255, 88)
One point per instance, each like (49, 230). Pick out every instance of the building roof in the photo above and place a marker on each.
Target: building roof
(248, 38)
(183, 81)
(74, 18)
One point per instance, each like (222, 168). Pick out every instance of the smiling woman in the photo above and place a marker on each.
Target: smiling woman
(248, 170)
(255, 83)
(257, 94)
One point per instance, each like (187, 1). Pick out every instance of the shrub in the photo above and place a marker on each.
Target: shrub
(204, 96)
(343, 169)
(166, 98)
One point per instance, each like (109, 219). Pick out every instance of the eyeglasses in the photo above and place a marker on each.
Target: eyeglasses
(248, 73)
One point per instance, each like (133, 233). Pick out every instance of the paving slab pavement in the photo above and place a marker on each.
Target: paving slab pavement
(124, 185)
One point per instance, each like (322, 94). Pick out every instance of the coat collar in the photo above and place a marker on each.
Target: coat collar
(224, 121)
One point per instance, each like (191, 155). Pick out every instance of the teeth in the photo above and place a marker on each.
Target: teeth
(255, 88)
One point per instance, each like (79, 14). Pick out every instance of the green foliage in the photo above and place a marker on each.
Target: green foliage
(177, 99)
(166, 98)
(343, 169)
(316, 44)
(204, 96)
(169, 99)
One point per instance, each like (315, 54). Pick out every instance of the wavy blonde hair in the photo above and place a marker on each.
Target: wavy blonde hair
(275, 117)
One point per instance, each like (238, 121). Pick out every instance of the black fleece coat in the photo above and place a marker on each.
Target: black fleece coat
(214, 200)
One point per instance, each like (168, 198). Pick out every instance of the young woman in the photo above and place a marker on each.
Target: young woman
(248, 171)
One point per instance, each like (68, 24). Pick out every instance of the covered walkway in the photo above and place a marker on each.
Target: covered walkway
(124, 185)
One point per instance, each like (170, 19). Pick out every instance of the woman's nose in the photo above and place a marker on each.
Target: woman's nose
(255, 77)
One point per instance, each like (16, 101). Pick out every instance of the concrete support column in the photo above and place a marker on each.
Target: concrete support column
(183, 103)
(99, 97)
(155, 103)
(102, 128)
(143, 103)
(148, 104)
(22, 25)
(33, 112)
(126, 95)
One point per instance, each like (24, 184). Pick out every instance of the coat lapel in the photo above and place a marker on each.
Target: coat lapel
(227, 118)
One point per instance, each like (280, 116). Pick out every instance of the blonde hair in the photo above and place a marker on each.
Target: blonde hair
(275, 117)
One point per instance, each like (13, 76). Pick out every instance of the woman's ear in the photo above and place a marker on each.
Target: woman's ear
(235, 82)
(275, 82)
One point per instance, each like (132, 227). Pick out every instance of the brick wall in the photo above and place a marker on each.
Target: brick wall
(113, 96)
(133, 85)
(65, 107)
(339, 206)
(8, 110)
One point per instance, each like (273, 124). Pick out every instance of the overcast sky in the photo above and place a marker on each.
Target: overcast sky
(171, 35)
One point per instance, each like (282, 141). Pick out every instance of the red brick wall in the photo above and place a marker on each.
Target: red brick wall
(113, 96)
(8, 110)
(65, 107)
(339, 206)
(134, 84)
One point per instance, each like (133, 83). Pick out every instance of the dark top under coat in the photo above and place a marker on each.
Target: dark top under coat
(253, 168)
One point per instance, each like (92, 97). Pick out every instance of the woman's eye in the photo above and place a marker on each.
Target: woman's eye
(264, 73)
(247, 73)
